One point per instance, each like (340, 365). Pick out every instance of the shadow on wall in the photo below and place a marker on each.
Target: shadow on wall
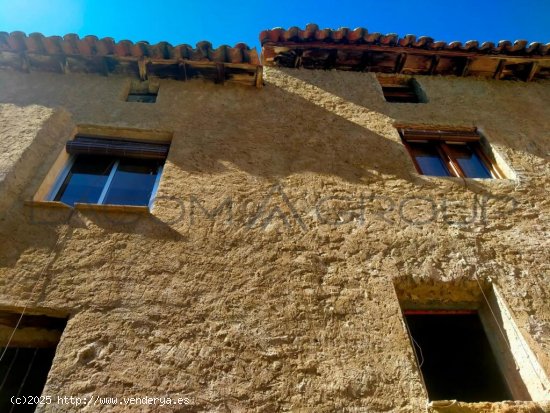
(288, 128)
(22, 226)
(516, 112)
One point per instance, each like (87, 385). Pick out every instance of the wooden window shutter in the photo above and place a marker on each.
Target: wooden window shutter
(441, 135)
(114, 147)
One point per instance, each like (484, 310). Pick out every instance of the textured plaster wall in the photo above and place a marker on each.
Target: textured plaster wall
(263, 280)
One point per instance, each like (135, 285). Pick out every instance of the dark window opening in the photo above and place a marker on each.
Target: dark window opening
(142, 97)
(397, 90)
(27, 357)
(455, 357)
(143, 92)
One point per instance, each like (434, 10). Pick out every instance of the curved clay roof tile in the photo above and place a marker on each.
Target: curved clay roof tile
(105, 46)
(372, 37)
(340, 35)
(161, 50)
(423, 41)
(310, 30)
(4, 46)
(83, 47)
(92, 42)
(323, 35)
(356, 35)
(17, 41)
(389, 39)
(519, 46)
(438, 45)
(503, 46)
(471, 45)
(454, 46)
(203, 51)
(251, 56)
(69, 44)
(532, 47)
(140, 49)
(220, 54)
(235, 54)
(487, 47)
(34, 43)
(123, 48)
(407, 41)
(292, 34)
(52, 44)
(181, 51)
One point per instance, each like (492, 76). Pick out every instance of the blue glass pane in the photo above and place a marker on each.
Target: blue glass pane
(470, 163)
(86, 180)
(428, 159)
(133, 182)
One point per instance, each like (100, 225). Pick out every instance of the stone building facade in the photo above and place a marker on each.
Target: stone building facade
(290, 233)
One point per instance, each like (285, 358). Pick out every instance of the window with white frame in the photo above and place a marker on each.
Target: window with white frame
(111, 172)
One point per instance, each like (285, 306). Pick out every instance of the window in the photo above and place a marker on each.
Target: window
(449, 153)
(143, 92)
(107, 171)
(455, 357)
(142, 97)
(27, 356)
(400, 90)
(467, 344)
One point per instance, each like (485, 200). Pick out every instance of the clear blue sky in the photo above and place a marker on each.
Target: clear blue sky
(230, 22)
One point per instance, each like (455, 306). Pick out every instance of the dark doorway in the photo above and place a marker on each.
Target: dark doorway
(455, 357)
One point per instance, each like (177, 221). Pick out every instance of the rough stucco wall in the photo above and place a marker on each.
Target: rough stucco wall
(17, 136)
(287, 302)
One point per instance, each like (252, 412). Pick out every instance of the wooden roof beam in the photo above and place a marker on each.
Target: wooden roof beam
(466, 67)
(220, 73)
(142, 67)
(499, 69)
(433, 65)
(400, 63)
(532, 71)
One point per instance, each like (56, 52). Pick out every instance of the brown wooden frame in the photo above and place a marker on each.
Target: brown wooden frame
(439, 138)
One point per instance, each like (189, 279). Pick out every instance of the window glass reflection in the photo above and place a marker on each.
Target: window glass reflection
(469, 161)
(133, 182)
(85, 180)
(428, 159)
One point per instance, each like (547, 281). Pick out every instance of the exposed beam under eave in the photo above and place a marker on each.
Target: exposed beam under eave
(142, 67)
(406, 60)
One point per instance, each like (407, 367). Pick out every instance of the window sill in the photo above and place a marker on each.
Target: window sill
(112, 208)
(48, 204)
(454, 406)
(490, 181)
(87, 207)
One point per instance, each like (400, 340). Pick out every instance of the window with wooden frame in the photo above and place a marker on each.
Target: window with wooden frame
(449, 152)
(401, 90)
(110, 172)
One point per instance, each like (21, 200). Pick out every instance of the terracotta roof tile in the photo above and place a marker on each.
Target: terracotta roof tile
(72, 44)
(90, 54)
(359, 50)
(360, 35)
